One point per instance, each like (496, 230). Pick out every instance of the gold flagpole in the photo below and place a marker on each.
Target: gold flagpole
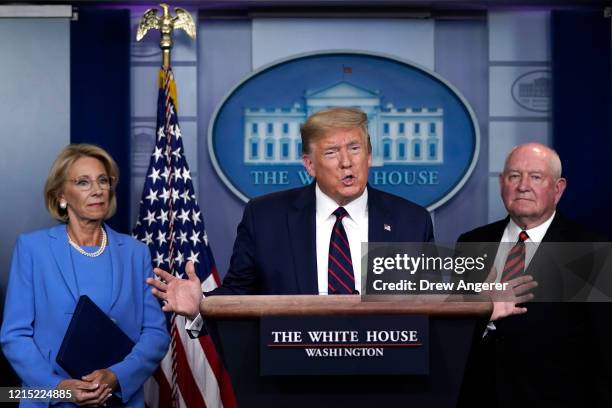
(166, 24)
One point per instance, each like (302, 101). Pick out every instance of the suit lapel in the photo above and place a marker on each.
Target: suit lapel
(61, 252)
(548, 263)
(486, 241)
(381, 226)
(545, 258)
(558, 230)
(114, 242)
(301, 221)
(495, 231)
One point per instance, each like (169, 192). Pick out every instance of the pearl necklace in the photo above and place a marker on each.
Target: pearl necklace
(90, 254)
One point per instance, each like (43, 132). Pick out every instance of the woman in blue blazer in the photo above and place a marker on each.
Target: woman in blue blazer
(52, 268)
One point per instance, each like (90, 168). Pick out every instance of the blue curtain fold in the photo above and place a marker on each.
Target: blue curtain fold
(100, 93)
(582, 113)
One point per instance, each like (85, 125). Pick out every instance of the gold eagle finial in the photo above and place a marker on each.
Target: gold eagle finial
(165, 24)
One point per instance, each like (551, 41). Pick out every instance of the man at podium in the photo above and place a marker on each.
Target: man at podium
(308, 240)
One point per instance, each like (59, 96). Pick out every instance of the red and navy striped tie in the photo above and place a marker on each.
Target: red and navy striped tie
(340, 276)
(515, 262)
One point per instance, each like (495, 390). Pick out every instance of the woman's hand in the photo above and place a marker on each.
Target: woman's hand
(107, 379)
(86, 393)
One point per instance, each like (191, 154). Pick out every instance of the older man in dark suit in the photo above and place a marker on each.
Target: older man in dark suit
(544, 353)
(307, 240)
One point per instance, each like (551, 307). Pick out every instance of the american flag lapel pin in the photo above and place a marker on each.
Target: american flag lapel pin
(387, 227)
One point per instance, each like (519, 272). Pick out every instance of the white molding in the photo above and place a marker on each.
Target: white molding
(32, 11)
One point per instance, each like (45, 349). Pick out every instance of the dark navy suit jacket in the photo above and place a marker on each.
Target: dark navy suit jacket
(555, 355)
(275, 248)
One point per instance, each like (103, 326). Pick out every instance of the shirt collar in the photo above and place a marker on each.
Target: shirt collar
(536, 234)
(356, 209)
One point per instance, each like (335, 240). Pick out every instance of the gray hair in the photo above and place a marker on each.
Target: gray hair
(554, 161)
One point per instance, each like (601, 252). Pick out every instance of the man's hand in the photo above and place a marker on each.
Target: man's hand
(181, 296)
(505, 301)
(86, 393)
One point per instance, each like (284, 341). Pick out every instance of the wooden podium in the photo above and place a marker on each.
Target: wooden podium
(233, 322)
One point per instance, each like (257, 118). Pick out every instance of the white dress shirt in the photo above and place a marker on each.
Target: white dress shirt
(355, 225)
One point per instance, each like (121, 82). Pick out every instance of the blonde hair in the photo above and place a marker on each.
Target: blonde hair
(335, 118)
(58, 174)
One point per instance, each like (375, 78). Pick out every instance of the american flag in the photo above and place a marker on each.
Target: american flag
(171, 224)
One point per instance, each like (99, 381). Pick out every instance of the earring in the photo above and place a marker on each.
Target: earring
(63, 205)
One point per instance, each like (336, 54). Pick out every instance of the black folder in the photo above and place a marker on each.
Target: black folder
(92, 341)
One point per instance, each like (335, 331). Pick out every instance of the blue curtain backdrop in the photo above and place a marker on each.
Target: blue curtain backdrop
(100, 93)
(582, 114)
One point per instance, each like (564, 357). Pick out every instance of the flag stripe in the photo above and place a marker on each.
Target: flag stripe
(199, 363)
(209, 284)
(163, 389)
(187, 385)
(223, 378)
(181, 401)
(215, 275)
(165, 374)
(164, 396)
(151, 391)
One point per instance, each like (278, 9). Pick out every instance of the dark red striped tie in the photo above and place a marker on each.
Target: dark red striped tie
(515, 262)
(340, 276)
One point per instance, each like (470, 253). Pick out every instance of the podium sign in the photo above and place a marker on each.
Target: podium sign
(242, 328)
(337, 345)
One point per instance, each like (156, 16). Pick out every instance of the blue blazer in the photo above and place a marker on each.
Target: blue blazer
(41, 298)
(275, 248)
